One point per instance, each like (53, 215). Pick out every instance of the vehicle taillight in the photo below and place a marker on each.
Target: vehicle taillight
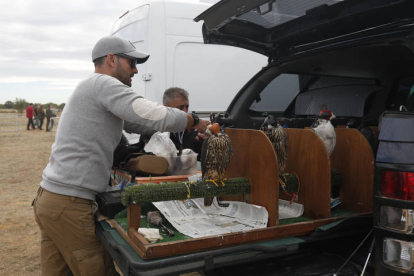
(399, 254)
(397, 219)
(398, 185)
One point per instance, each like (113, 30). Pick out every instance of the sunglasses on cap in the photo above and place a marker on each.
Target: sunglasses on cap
(133, 61)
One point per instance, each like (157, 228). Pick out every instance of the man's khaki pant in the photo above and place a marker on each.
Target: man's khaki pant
(69, 245)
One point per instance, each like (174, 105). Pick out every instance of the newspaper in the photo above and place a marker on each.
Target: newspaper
(191, 218)
(335, 202)
(289, 210)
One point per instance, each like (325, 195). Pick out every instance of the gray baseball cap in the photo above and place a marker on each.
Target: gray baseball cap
(117, 45)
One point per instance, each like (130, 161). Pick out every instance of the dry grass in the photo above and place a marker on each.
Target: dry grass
(22, 162)
(8, 111)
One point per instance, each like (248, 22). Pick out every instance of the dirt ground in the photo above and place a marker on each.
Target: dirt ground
(21, 164)
(22, 161)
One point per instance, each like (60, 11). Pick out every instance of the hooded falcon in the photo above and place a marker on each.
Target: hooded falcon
(370, 135)
(279, 140)
(216, 154)
(325, 130)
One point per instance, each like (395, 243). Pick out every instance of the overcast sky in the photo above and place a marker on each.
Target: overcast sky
(45, 47)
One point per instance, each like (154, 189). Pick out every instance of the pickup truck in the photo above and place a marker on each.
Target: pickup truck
(353, 58)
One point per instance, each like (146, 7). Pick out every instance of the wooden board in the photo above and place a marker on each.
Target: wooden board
(307, 156)
(354, 158)
(158, 250)
(255, 159)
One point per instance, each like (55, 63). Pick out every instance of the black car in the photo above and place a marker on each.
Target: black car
(352, 57)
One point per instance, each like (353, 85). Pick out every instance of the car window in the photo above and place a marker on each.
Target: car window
(324, 81)
(402, 98)
(307, 93)
(342, 100)
(278, 94)
(273, 14)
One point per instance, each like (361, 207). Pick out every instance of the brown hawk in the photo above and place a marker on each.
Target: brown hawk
(216, 154)
(279, 140)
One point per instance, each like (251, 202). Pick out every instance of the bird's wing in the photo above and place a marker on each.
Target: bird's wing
(325, 130)
(333, 135)
(320, 130)
(215, 156)
(228, 151)
(204, 153)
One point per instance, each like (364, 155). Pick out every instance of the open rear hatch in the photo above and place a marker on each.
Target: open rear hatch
(280, 29)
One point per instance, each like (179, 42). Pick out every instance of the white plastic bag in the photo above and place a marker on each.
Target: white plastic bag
(186, 164)
(161, 144)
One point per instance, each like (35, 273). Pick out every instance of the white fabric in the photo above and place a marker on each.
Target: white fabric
(150, 234)
(149, 110)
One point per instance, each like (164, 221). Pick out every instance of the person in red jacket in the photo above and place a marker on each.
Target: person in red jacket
(29, 115)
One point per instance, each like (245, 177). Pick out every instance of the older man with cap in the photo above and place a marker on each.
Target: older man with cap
(89, 130)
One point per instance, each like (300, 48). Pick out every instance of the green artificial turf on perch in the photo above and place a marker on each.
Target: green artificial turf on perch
(289, 183)
(184, 190)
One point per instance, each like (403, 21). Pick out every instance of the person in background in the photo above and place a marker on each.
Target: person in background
(36, 120)
(29, 116)
(41, 116)
(52, 120)
(52, 107)
(187, 139)
(48, 116)
(81, 158)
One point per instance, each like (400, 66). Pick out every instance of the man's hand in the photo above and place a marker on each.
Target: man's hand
(202, 126)
(201, 137)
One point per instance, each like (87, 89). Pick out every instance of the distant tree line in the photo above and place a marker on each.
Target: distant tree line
(21, 104)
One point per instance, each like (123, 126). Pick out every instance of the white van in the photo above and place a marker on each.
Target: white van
(212, 74)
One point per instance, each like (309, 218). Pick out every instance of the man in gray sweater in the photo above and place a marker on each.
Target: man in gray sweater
(89, 130)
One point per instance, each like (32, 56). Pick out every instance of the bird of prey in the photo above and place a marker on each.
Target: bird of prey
(279, 140)
(370, 135)
(155, 218)
(216, 154)
(325, 130)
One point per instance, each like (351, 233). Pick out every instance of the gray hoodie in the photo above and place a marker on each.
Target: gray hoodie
(90, 128)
